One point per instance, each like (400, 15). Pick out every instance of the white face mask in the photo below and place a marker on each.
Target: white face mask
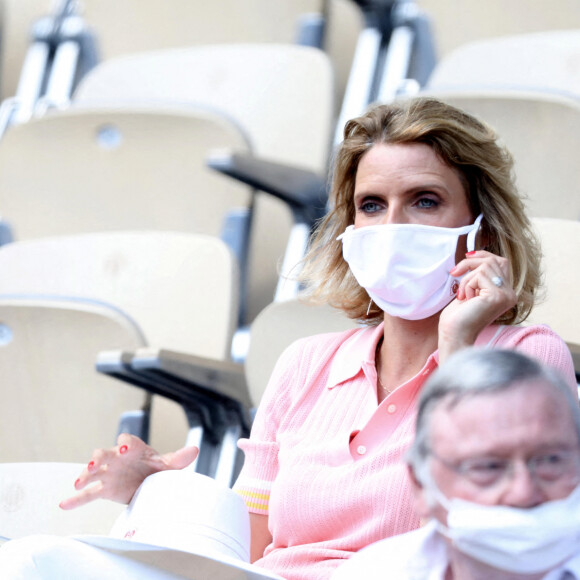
(405, 267)
(518, 540)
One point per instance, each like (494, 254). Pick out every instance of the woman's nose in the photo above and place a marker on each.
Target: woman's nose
(394, 215)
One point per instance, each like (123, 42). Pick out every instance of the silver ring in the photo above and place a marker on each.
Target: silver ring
(497, 281)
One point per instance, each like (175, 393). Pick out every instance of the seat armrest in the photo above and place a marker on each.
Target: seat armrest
(197, 383)
(222, 377)
(303, 190)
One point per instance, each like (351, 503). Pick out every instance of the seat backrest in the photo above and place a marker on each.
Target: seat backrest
(181, 289)
(279, 325)
(560, 308)
(182, 23)
(457, 23)
(280, 95)
(55, 406)
(97, 170)
(541, 131)
(543, 61)
(137, 25)
(29, 498)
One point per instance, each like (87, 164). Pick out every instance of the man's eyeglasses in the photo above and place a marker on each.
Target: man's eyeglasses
(545, 467)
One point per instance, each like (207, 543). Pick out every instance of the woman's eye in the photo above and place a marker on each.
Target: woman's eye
(427, 202)
(370, 207)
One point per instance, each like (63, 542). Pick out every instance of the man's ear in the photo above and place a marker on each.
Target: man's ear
(423, 506)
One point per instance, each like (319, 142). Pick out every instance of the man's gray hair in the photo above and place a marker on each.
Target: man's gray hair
(472, 372)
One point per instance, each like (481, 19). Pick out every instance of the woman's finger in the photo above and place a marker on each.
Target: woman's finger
(479, 272)
(475, 259)
(482, 278)
(94, 468)
(85, 496)
(181, 458)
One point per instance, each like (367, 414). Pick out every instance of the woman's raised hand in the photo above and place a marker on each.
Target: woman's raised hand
(484, 294)
(116, 473)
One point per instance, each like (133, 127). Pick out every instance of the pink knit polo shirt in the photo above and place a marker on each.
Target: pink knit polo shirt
(325, 462)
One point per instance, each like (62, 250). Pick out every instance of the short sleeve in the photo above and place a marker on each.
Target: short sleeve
(261, 449)
(541, 343)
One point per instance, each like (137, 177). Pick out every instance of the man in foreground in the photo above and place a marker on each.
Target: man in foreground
(496, 467)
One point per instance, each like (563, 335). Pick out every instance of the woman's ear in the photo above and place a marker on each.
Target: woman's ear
(482, 237)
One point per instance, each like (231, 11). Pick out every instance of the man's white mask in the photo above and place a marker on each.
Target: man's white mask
(518, 540)
(405, 267)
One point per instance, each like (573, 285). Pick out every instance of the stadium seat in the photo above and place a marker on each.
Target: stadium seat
(541, 61)
(279, 95)
(276, 327)
(541, 131)
(559, 307)
(457, 23)
(55, 406)
(79, 171)
(179, 289)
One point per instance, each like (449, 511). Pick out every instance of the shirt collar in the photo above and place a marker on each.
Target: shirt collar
(357, 350)
(360, 348)
(572, 566)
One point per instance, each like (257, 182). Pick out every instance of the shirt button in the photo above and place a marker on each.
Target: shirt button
(361, 449)
(391, 409)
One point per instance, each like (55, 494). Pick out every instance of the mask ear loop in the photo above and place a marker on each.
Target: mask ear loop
(369, 308)
(473, 233)
(436, 496)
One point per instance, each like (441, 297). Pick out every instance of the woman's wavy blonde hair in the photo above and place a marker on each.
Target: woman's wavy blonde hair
(462, 142)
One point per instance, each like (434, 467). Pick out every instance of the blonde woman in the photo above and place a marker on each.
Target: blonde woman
(428, 245)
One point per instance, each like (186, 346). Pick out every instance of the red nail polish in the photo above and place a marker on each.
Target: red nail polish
(77, 482)
(472, 253)
(123, 449)
(91, 465)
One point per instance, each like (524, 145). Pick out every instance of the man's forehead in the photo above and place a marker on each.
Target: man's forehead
(523, 416)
